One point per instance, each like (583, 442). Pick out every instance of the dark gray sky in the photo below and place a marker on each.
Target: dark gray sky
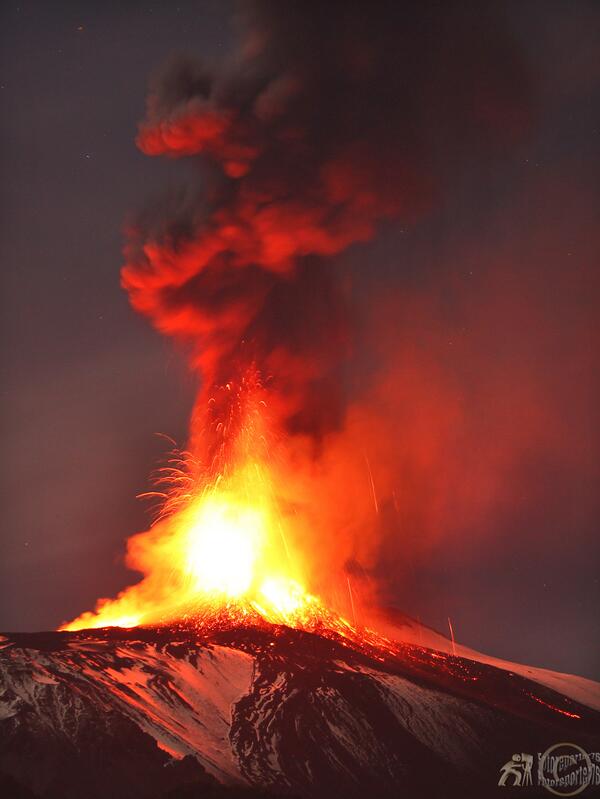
(503, 272)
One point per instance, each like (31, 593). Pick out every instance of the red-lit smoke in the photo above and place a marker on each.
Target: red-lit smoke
(332, 119)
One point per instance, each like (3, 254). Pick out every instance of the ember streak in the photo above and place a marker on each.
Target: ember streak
(307, 142)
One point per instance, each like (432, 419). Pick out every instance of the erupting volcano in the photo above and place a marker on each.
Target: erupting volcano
(261, 515)
(219, 549)
(297, 150)
(354, 403)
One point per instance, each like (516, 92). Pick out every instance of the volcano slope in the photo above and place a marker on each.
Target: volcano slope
(262, 710)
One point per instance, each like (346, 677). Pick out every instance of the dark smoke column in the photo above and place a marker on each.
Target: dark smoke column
(329, 120)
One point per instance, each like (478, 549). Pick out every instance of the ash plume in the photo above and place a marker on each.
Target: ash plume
(332, 118)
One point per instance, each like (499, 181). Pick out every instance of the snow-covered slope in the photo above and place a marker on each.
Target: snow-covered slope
(404, 628)
(139, 713)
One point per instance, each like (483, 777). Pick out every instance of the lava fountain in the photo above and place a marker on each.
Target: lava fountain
(220, 543)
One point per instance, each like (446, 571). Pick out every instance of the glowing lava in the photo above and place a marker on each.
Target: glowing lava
(223, 543)
(220, 542)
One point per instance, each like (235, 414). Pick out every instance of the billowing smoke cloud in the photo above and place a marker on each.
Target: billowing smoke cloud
(333, 118)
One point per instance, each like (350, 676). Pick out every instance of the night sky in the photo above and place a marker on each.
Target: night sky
(491, 321)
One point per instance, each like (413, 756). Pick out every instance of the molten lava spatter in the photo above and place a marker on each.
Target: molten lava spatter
(219, 544)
